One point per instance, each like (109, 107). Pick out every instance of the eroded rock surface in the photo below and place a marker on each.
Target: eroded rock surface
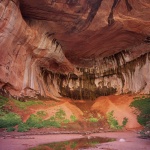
(74, 48)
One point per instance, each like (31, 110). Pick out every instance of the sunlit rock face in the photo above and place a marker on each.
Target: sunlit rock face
(74, 48)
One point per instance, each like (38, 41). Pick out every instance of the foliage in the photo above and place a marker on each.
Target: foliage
(73, 118)
(41, 114)
(24, 105)
(3, 101)
(66, 121)
(34, 121)
(23, 127)
(51, 123)
(73, 145)
(92, 119)
(142, 105)
(60, 114)
(10, 129)
(114, 123)
(124, 122)
(145, 133)
(9, 120)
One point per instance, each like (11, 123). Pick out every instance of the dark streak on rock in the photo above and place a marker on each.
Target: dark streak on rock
(129, 7)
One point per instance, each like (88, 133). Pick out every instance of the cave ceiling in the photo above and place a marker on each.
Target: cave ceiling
(80, 49)
(89, 29)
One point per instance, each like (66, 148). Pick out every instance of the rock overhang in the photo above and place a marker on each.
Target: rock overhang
(52, 38)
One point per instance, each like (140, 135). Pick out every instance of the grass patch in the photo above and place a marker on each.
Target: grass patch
(3, 101)
(24, 105)
(113, 123)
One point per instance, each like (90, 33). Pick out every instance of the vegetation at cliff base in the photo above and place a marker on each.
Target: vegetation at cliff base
(142, 105)
(113, 123)
(142, 110)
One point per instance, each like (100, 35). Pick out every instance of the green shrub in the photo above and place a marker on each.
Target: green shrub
(66, 121)
(2, 113)
(10, 129)
(41, 113)
(9, 120)
(23, 127)
(60, 114)
(92, 119)
(34, 121)
(142, 106)
(124, 122)
(73, 118)
(113, 122)
(145, 133)
(3, 101)
(51, 123)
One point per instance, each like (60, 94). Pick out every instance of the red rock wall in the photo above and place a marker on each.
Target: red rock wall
(41, 51)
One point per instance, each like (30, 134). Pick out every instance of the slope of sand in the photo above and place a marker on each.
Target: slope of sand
(120, 105)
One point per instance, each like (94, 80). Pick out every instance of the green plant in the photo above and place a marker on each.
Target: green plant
(3, 101)
(60, 114)
(113, 122)
(73, 145)
(66, 121)
(145, 133)
(92, 119)
(2, 113)
(51, 123)
(9, 120)
(124, 122)
(34, 121)
(24, 105)
(142, 105)
(23, 127)
(73, 118)
(10, 129)
(41, 114)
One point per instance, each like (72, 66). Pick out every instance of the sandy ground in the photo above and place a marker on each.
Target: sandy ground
(132, 142)
(103, 105)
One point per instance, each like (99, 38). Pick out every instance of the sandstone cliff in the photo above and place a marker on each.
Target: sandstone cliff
(74, 48)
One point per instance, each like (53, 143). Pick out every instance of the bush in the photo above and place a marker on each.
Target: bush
(10, 129)
(142, 106)
(9, 120)
(92, 119)
(23, 127)
(73, 118)
(114, 123)
(60, 114)
(145, 133)
(34, 121)
(51, 123)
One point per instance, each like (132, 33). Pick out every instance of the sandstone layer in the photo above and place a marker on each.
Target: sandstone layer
(80, 49)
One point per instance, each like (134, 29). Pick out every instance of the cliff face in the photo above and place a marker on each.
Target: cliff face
(74, 48)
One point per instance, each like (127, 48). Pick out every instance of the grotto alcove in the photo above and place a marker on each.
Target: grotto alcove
(74, 66)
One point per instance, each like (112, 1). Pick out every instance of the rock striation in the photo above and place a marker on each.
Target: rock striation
(81, 49)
